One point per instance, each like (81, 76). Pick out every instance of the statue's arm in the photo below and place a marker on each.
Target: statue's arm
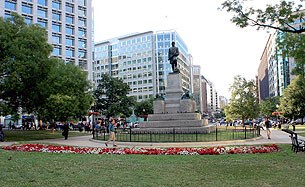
(177, 52)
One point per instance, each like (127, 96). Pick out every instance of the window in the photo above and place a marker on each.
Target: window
(148, 38)
(42, 23)
(56, 28)
(56, 16)
(10, 5)
(81, 54)
(69, 52)
(70, 41)
(26, 9)
(42, 2)
(7, 15)
(69, 19)
(28, 20)
(82, 22)
(56, 51)
(69, 8)
(82, 2)
(56, 39)
(56, 5)
(42, 13)
(81, 11)
(81, 44)
(69, 30)
(81, 32)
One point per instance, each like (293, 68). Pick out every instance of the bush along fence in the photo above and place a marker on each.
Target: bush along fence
(219, 134)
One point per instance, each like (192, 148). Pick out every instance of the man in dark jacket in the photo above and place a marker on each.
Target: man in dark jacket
(65, 133)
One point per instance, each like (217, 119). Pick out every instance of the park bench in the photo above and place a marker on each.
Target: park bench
(296, 144)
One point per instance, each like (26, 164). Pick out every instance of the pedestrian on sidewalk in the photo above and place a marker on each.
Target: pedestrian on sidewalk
(1, 134)
(65, 132)
(111, 128)
(268, 126)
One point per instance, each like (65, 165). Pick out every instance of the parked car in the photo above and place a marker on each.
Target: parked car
(297, 121)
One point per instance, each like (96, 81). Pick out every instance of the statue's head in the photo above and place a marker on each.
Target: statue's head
(173, 44)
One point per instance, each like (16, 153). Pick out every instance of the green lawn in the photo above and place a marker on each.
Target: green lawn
(20, 135)
(284, 168)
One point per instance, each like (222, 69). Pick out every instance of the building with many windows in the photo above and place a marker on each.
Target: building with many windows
(274, 72)
(197, 87)
(141, 61)
(67, 22)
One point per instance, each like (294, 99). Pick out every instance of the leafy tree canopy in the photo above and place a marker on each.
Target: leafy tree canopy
(111, 97)
(270, 105)
(243, 102)
(280, 15)
(67, 94)
(292, 104)
(33, 81)
(144, 107)
(24, 56)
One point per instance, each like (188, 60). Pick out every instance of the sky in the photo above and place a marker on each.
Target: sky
(222, 49)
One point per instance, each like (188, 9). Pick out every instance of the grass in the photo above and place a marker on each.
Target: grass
(20, 135)
(283, 168)
(302, 134)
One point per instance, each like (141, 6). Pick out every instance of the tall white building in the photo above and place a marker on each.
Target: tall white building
(67, 22)
(141, 61)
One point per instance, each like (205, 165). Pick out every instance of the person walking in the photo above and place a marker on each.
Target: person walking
(268, 126)
(111, 128)
(1, 134)
(65, 133)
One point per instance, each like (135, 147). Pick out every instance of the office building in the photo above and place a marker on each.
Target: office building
(141, 61)
(197, 87)
(68, 23)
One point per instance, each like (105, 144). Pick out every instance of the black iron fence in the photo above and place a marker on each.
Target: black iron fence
(219, 133)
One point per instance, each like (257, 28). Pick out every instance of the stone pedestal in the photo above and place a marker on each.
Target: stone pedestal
(187, 105)
(173, 93)
(159, 106)
(174, 113)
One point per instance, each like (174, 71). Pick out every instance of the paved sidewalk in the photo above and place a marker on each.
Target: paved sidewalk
(277, 137)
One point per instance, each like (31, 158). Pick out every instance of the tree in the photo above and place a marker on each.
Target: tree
(270, 105)
(111, 97)
(24, 57)
(67, 94)
(280, 16)
(287, 18)
(144, 107)
(243, 102)
(292, 104)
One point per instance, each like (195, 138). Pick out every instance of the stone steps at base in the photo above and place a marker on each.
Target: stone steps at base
(177, 130)
(173, 117)
(172, 124)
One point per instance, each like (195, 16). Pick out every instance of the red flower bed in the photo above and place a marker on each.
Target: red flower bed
(144, 151)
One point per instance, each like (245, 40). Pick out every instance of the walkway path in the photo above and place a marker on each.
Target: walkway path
(277, 137)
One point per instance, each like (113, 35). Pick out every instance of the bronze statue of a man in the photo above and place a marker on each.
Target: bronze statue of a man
(173, 53)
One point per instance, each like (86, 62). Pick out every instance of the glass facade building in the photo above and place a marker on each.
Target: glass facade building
(141, 61)
(67, 22)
